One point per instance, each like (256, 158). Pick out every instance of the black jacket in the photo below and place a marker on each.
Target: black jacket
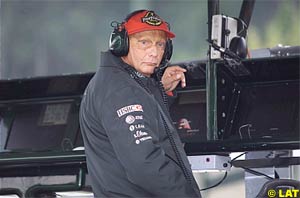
(127, 148)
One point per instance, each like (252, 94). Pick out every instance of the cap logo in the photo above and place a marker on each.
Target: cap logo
(152, 19)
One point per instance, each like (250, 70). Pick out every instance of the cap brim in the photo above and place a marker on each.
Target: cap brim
(169, 33)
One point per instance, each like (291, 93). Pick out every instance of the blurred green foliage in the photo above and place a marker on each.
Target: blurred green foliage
(51, 37)
(282, 28)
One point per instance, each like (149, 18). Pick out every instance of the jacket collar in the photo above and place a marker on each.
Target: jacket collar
(110, 60)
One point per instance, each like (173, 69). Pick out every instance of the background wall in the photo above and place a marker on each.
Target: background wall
(51, 37)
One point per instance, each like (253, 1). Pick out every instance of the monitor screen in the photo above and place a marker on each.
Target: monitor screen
(261, 103)
(40, 126)
(79, 139)
(2, 132)
(267, 112)
(188, 113)
(257, 108)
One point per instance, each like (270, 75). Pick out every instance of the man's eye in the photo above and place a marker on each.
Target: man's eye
(144, 42)
(161, 44)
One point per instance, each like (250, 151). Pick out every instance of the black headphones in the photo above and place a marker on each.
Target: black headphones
(119, 40)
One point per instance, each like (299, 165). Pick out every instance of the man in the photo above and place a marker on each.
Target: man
(131, 146)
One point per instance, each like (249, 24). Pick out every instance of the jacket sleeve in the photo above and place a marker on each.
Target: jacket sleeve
(131, 122)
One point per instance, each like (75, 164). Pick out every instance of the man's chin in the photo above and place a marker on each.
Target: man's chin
(150, 70)
(148, 73)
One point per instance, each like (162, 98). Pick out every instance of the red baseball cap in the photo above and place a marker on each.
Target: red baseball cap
(147, 20)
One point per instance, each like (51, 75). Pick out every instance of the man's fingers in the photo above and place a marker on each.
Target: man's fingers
(183, 83)
(172, 76)
(176, 68)
(171, 73)
(180, 77)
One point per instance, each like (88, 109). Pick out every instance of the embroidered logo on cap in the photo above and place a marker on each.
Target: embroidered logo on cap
(152, 19)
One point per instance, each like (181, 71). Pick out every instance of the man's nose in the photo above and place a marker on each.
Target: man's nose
(154, 50)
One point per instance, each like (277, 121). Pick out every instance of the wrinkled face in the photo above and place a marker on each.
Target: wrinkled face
(146, 50)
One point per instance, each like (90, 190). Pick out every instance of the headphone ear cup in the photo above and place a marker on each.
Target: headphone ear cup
(168, 52)
(119, 42)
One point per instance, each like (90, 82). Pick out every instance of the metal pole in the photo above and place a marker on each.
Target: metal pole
(0, 41)
(211, 79)
(245, 15)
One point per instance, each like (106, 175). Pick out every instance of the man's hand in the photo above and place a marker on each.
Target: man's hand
(172, 76)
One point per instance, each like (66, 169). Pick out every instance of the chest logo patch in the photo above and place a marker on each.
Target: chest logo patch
(129, 109)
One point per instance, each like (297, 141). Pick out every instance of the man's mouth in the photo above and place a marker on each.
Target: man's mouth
(151, 64)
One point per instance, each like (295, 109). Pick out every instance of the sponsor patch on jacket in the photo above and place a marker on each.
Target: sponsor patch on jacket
(138, 141)
(131, 119)
(136, 126)
(139, 134)
(129, 109)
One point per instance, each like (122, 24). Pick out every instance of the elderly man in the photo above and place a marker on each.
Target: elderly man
(131, 145)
